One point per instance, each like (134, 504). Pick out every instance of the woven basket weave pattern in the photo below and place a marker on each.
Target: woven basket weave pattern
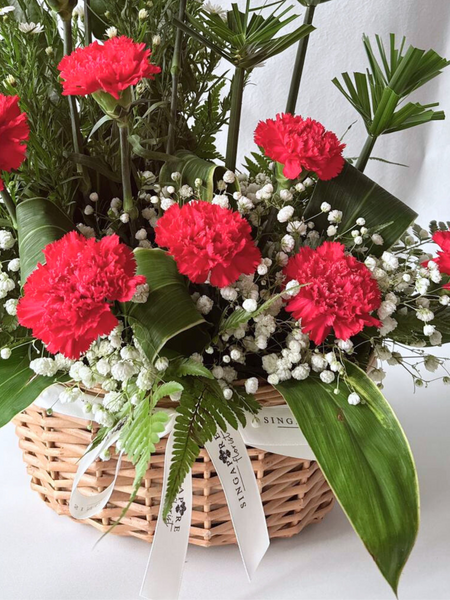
(294, 492)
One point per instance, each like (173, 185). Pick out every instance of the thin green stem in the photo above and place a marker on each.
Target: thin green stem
(74, 117)
(125, 162)
(10, 206)
(237, 92)
(175, 72)
(299, 64)
(87, 22)
(365, 153)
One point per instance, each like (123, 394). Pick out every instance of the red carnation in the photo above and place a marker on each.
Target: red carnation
(110, 67)
(65, 301)
(14, 132)
(339, 294)
(442, 239)
(208, 240)
(301, 144)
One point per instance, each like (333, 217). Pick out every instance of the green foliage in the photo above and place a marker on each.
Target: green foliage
(409, 330)
(356, 196)
(366, 459)
(245, 39)
(202, 410)
(377, 94)
(142, 430)
(210, 116)
(39, 222)
(19, 386)
(259, 163)
(169, 310)
(191, 168)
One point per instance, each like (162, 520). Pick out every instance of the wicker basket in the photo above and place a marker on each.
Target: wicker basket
(294, 491)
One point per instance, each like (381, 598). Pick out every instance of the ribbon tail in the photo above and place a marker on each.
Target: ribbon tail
(163, 575)
(84, 507)
(233, 466)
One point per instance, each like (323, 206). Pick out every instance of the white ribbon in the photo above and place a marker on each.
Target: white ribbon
(164, 571)
(233, 466)
(274, 429)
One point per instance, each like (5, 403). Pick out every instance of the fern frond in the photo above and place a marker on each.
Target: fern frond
(203, 409)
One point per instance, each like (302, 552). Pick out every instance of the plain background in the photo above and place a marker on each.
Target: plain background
(46, 557)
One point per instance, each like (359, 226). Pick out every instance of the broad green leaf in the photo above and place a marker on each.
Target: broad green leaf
(19, 385)
(191, 168)
(169, 311)
(39, 222)
(356, 196)
(366, 459)
(410, 330)
(99, 23)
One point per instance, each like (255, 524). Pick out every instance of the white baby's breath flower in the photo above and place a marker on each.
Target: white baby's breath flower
(292, 288)
(425, 314)
(444, 300)
(282, 259)
(301, 372)
(377, 239)
(327, 376)
(166, 203)
(335, 216)
(11, 307)
(204, 305)
(300, 188)
(5, 353)
(113, 401)
(141, 294)
(229, 293)
(14, 265)
(88, 210)
(156, 40)
(431, 363)
(250, 305)
(124, 217)
(227, 393)
(331, 231)
(273, 379)
(287, 243)
(388, 325)
(229, 177)
(88, 232)
(221, 200)
(353, 399)
(43, 366)
(123, 370)
(390, 261)
(377, 375)
(285, 213)
(93, 197)
(251, 385)
(7, 240)
(325, 207)
(297, 227)
(162, 363)
(286, 195)
(143, 14)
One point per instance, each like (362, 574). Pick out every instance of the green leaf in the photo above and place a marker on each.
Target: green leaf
(188, 366)
(39, 222)
(135, 143)
(201, 411)
(95, 164)
(191, 168)
(166, 389)
(410, 330)
(356, 196)
(19, 385)
(367, 461)
(169, 310)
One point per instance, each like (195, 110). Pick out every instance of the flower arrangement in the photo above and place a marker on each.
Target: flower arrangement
(135, 264)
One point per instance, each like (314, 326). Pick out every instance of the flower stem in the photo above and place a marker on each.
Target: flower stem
(299, 64)
(87, 22)
(10, 206)
(237, 92)
(175, 72)
(125, 161)
(74, 117)
(365, 153)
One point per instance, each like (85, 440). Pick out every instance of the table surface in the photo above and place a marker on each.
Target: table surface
(47, 557)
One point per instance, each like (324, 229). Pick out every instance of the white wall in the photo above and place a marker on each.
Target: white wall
(336, 47)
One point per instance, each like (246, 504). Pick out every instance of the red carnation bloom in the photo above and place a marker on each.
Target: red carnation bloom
(301, 144)
(66, 300)
(208, 240)
(14, 132)
(340, 294)
(110, 67)
(442, 239)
